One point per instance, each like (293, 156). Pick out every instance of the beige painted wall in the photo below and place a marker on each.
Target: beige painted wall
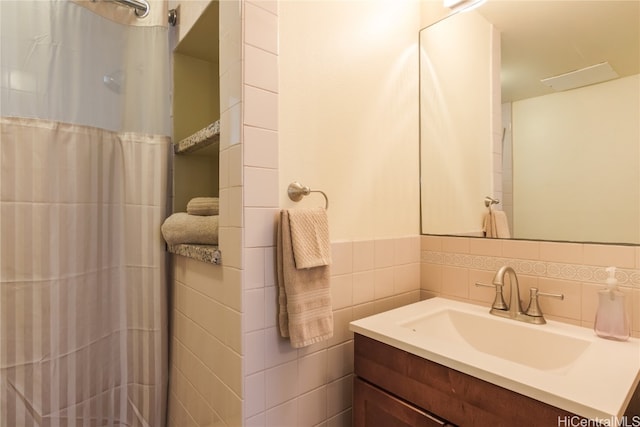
(557, 140)
(348, 112)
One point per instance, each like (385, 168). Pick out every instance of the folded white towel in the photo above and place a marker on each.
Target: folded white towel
(305, 314)
(310, 237)
(203, 206)
(184, 228)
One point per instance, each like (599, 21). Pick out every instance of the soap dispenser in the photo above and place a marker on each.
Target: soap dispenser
(612, 321)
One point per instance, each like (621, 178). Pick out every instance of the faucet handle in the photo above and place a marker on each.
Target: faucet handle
(486, 285)
(498, 302)
(534, 308)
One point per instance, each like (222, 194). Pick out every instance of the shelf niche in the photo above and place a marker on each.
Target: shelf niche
(196, 111)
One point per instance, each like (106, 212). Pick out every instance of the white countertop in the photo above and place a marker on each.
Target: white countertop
(597, 385)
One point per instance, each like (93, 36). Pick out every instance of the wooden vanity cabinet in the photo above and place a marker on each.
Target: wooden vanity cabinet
(373, 406)
(395, 388)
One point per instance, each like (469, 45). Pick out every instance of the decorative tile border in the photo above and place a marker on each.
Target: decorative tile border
(580, 273)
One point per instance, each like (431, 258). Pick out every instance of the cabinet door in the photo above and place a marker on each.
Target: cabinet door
(373, 407)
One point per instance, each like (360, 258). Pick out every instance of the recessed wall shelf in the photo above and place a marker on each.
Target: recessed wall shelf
(204, 137)
(205, 253)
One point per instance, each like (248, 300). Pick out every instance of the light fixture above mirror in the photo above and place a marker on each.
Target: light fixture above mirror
(463, 5)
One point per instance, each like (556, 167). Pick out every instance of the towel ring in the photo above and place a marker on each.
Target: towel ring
(297, 191)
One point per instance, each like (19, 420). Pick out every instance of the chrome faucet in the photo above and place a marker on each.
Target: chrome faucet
(513, 310)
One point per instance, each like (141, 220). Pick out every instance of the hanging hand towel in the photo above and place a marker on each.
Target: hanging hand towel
(496, 225)
(304, 295)
(501, 225)
(310, 237)
(184, 228)
(203, 206)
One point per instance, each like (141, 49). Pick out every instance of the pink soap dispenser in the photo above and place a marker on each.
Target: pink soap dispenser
(612, 321)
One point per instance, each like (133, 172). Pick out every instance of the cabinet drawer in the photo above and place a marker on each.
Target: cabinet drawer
(374, 407)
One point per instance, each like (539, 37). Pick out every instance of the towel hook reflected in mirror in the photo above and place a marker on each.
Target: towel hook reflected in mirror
(488, 201)
(297, 191)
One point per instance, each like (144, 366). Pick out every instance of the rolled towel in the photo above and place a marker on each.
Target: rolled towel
(184, 228)
(203, 206)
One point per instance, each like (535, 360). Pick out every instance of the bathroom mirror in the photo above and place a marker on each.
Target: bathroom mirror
(564, 160)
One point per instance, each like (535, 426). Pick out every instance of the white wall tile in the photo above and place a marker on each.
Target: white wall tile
(254, 272)
(260, 226)
(312, 370)
(235, 166)
(260, 108)
(261, 28)
(261, 187)
(281, 383)
(340, 360)
(253, 309)
(230, 126)
(285, 415)
(254, 351)
(230, 239)
(341, 291)
(270, 274)
(383, 282)
(271, 306)
(261, 69)
(261, 147)
(384, 252)
(312, 407)
(339, 394)
(341, 258)
(231, 86)
(278, 350)
(255, 399)
(363, 255)
(269, 5)
(363, 288)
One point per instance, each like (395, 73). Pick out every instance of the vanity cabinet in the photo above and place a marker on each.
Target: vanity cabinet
(396, 388)
(373, 406)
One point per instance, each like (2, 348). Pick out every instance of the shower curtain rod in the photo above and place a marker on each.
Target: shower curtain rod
(141, 6)
(142, 9)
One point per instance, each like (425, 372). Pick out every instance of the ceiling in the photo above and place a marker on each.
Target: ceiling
(544, 38)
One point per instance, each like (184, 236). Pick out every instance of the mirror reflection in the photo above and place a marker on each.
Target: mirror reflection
(537, 105)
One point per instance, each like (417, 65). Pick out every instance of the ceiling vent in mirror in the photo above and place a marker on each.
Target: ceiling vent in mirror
(583, 77)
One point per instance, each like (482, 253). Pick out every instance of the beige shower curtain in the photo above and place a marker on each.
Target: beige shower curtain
(84, 159)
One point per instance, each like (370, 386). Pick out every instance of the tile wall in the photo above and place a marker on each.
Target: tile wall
(450, 266)
(205, 383)
(312, 386)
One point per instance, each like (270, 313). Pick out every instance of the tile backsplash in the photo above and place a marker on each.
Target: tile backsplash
(450, 266)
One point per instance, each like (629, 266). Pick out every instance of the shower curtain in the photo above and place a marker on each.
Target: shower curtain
(84, 152)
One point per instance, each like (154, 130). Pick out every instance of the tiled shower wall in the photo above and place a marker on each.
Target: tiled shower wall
(450, 266)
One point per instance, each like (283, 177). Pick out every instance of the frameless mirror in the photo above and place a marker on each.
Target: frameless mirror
(562, 155)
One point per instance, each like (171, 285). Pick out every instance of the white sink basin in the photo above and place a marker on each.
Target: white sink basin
(536, 346)
(560, 364)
